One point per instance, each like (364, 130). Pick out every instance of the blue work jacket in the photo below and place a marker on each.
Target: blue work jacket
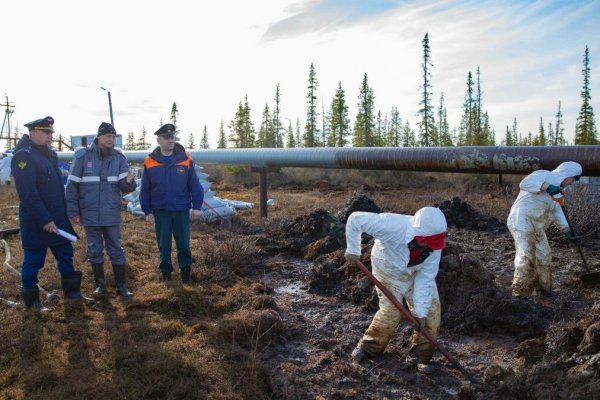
(170, 185)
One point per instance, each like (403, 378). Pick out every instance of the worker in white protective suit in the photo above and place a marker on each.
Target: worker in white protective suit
(405, 258)
(530, 215)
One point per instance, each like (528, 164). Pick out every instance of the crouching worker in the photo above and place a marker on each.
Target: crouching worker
(405, 259)
(530, 215)
(42, 212)
(99, 174)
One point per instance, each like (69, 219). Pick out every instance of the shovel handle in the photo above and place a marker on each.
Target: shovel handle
(564, 210)
(413, 321)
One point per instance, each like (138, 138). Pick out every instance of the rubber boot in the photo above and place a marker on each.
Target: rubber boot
(31, 299)
(98, 270)
(71, 284)
(119, 272)
(185, 274)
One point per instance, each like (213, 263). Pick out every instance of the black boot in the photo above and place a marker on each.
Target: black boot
(119, 271)
(166, 276)
(185, 274)
(71, 284)
(98, 270)
(31, 299)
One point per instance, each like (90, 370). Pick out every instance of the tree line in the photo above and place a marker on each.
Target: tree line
(385, 129)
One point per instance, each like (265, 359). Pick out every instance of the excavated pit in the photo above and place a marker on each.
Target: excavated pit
(557, 345)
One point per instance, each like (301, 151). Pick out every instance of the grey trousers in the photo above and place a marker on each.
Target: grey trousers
(99, 236)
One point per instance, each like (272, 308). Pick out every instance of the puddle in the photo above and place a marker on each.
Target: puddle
(297, 287)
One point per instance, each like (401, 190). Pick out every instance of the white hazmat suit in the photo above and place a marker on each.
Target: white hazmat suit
(389, 259)
(530, 215)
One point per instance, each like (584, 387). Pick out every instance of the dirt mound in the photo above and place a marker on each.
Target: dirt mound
(474, 304)
(563, 364)
(462, 215)
(358, 202)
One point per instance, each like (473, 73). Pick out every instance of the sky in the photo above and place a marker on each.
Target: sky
(207, 56)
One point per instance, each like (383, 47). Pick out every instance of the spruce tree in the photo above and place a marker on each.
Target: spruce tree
(445, 138)
(191, 144)
(142, 144)
(427, 122)
(408, 136)
(277, 128)
(311, 130)
(339, 125)
(364, 125)
(479, 137)
(468, 114)
(508, 138)
(559, 131)
(174, 116)
(517, 141)
(585, 129)
(395, 129)
(540, 138)
(222, 143)
(241, 127)
(130, 144)
(291, 140)
(265, 132)
(204, 141)
(298, 134)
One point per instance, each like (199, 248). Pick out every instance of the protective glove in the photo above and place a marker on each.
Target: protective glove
(421, 322)
(571, 237)
(552, 190)
(352, 258)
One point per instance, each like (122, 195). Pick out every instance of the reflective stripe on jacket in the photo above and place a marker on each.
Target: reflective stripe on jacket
(170, 185)
(95, 184)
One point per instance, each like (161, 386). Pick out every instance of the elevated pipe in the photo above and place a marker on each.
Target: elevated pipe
(482, 159)
(474, 159)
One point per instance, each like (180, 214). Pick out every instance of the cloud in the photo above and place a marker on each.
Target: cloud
(325, 15)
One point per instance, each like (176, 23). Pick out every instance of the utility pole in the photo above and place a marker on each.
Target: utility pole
(6, 123)
(112, 121)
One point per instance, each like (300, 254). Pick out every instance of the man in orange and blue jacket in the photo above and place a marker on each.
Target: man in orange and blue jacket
(169, 189)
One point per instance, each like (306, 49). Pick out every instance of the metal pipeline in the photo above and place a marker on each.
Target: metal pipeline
(482, 159)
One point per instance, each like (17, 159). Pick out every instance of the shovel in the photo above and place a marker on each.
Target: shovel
(413, 321)
(591, 278)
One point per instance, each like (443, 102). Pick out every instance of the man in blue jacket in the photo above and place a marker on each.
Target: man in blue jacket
(99, 174)
(42, 212)
(169, 189)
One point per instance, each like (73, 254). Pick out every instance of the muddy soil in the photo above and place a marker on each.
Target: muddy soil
(519, 348)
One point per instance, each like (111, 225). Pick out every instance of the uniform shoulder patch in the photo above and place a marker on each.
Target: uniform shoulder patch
(22, 164)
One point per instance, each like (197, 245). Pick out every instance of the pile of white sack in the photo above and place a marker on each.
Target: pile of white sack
(214, 208)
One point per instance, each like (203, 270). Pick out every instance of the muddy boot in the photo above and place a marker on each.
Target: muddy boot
(119, 271)
(71, 284)
(358, 354)
(421, 353)
(166, 276)
(98, 270)
(185, 275)
(31, 299)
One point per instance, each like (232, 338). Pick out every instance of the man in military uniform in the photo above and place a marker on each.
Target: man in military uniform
(170, 187)
(42, 212)
(100, 172)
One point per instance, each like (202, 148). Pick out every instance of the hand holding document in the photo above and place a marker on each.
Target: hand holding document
(66, 235)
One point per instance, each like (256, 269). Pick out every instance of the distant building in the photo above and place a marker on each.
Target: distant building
(86, 140)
